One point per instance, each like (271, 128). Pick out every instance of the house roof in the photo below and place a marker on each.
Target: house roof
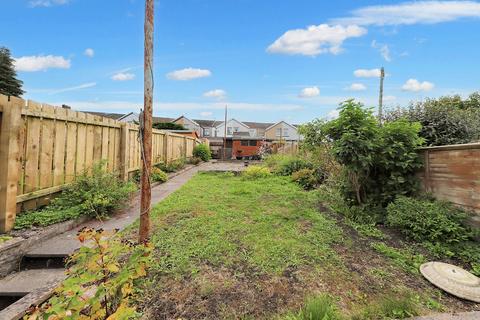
(187, 119)
(233, 119)
(288, 124)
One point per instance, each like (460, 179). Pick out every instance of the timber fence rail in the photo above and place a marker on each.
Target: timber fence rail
(43, 148)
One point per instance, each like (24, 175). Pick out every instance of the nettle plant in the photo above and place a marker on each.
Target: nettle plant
(380, 161)
(100, 283)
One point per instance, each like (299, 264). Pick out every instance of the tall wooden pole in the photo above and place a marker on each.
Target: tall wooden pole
(146, 195)
(225, 136)
(380, 99)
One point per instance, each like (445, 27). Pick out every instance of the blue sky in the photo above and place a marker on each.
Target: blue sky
(267, 60)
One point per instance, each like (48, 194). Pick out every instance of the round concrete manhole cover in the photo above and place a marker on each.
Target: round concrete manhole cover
(452, 279)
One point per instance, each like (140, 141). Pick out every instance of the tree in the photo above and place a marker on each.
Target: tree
(9, 84)
(168, 126)
(445, 120)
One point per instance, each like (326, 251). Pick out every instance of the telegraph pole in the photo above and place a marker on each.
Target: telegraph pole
(225, 135)
(146, 134)
(380, 99)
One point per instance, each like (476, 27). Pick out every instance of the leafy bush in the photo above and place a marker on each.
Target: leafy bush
(168, 126)
(380, 161)
(96, 194)
(195, 161)
(172, 166)
(289, 165)
(203, 152)
(426, 220)
(102, 280)
(446, 120)
(158, 175)
(256, 172)
(306, 178)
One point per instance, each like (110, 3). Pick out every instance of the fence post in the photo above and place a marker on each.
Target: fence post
(166, 147)
(9, 160)
(184, 147)
(124, 144)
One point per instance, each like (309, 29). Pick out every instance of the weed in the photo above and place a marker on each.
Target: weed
(317, 308)
(203, 152)
(403, 258)
(400, 306)
(256, 172)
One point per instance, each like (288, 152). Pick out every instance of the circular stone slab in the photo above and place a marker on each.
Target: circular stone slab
(452, 279)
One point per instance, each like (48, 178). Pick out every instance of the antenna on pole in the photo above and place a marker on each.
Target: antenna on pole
(380, 99)
(146, 128)
(225, 136)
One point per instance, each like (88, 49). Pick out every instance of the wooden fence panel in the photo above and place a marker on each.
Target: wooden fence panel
(43, 148)
(452, 173)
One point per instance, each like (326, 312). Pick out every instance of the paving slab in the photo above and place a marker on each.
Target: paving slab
(452, 316)
(21, 283)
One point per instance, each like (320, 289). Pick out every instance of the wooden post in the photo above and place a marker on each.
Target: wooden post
(166, 147)
(146, 195)
(380, 99)
(124, 145)
(184, 147)
(10, 122)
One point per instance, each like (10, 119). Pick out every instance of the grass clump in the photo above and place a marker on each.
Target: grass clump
(172, 166)
(96, 193)
(256, 172)
(306, 178)
(317, 308)
(404, 258)
(4, 238)
(400, 306)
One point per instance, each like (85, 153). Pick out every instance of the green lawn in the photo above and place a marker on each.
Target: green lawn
(230, 248)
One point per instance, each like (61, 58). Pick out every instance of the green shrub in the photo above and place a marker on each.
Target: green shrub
(158, 175)
(288, 166)
(203, 152)
(256, 172)
(172, 166)
(380, 161)
(305, 178)
(96, 193)
(195, 161)
(428, 220)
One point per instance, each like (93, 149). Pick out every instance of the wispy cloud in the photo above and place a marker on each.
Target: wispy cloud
(315, 40)
(356, 87)
(46, 3)
(384, 50)
(123, 76)
(367, 73)
(62, 90)
(309, 92)
(218, 94)
(89, 52)
(408, 13)
(41, 63)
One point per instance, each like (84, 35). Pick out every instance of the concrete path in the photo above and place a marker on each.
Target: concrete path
(64, 244)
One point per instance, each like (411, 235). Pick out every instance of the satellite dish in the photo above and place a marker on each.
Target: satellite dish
(452, 279)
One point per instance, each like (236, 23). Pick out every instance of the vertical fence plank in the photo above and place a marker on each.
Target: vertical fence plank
(60, 144)
(10, 123)
(81, 145)
(89, 143)
(46, 148)
(71, 146)
(33, 152)
(123, 165)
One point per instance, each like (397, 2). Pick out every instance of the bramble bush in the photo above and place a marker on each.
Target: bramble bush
(306, 178)
(156, 175)
(102, 280)
(203, 152)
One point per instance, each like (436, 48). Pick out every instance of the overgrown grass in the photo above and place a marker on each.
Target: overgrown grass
(404, 258)
(268, 226)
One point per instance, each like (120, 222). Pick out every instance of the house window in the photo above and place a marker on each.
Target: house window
(285, 132)
(229, 131)
(236, 129)
(252, 143)
(206, 132)
(278, 132)
(244, 143)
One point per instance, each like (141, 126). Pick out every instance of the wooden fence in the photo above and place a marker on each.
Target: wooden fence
(453, 173)
(43, 148)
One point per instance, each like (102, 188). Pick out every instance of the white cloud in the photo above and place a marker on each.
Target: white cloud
(357, 87)
(309, 92)
(206, 114)
(315, 40)
(41, 63)
(188, 74)
(217, 94)
(417, 86)
(123, 76)
(82, 86)
(416, 12)
(47, 3)
(384, 50)
(89, 52)
(367, 73)
(389, 99)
